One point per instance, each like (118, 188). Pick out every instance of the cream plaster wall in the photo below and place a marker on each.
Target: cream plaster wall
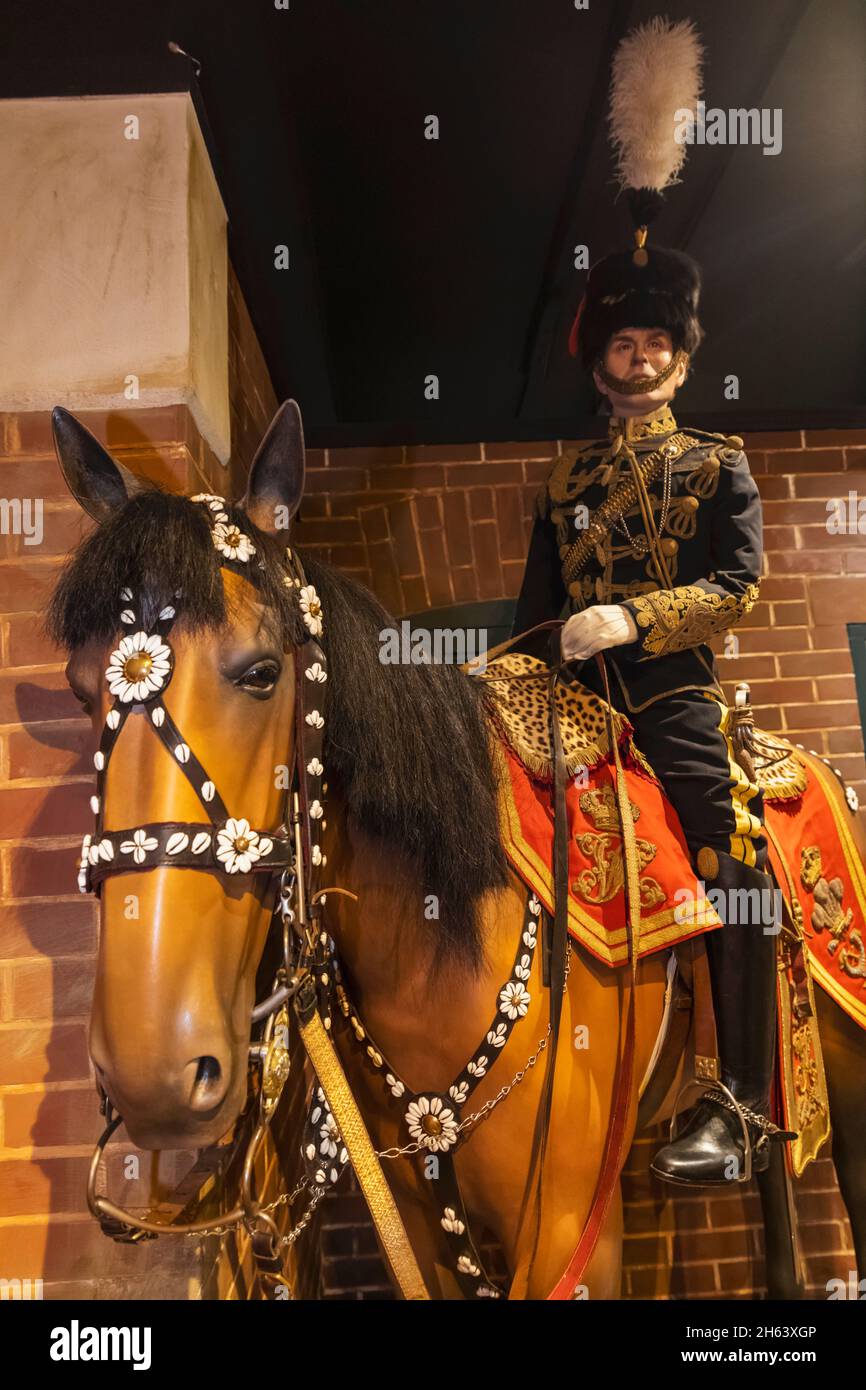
(113, 260)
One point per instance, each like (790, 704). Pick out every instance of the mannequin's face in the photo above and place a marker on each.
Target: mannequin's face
(640, 352)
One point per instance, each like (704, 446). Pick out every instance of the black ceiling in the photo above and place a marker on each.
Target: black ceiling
(411, 257)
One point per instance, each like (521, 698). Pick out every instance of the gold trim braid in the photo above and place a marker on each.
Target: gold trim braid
(676, 619)
(623, 498)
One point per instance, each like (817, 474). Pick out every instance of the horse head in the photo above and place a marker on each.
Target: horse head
(183, 618)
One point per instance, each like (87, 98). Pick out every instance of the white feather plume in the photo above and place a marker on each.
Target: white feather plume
(656, 72)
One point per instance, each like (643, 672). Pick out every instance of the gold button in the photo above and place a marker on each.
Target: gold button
(735, 441)
(669, 546)
(575, 589)
(690, 503)
(708, 862)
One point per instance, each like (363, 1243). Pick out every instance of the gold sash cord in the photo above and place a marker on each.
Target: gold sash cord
(362, 1155)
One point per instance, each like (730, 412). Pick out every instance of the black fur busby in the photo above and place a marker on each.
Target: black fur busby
(662, 293)
(656, 76)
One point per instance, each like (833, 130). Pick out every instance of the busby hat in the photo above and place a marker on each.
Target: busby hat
(656, 77)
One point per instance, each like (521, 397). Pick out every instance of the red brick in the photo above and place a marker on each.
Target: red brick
(480, 503)
(442, 453)
(27, 643)
(848, 740)
(374, 523)
(415, 598)
(721, 1244)
(465, 584)
(42, 989)
(813, 664)
(40, 873)
(790, 614)
(839, 598)
(778, 692)
(772, 439)
(408, 477)
(385, 580)
(331, 530)
(51, 750)
(345, 556)
(404, 540)
(774, 488)
(835, 439)
(337, 479)
(436, 568)
(828, 1238)
(38, 929)
(484, 542)
(64, 1250)
(27, 587)
(768, 640)
(830, 487)
(837, 688)
(373, 458)
(348, 503)
(536, 472)
(522, 449)
(509, 516)
(821, 716)
(808, 562)
(32, 1053)
(427, 512)
(35, 477)
(809, 461)
(62, 530)
(471, 474)
(52, 1184)
(457, 534)
(794, 512)
(34, 812)
(512, 576)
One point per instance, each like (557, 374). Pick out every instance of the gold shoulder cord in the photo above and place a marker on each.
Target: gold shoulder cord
(629, 492)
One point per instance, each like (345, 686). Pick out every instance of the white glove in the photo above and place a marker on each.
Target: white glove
(595, 629)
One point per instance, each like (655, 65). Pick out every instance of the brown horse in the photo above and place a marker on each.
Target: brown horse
(412, 822)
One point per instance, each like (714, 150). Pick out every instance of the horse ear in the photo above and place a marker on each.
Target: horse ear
(276, 481)
(96, 481)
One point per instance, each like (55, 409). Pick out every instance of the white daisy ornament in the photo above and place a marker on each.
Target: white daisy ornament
(432, 1124)
(311, 610)
(231, 541)
(237, 847)
(138, 668)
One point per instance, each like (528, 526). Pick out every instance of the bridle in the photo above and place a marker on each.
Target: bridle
(139, 671)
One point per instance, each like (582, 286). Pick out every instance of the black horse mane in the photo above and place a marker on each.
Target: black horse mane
(407, 744)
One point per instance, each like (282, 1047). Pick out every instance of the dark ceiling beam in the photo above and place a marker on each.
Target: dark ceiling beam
(558, 266)
(776, 49)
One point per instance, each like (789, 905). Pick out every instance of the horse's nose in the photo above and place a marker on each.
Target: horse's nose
(206, 1083)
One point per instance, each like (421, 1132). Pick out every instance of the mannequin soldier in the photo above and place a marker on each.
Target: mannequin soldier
(648, 583)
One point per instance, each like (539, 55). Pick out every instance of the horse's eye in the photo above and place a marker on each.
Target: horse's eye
(261, 678)
(84, 700)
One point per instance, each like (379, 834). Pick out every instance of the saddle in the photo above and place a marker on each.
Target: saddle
(520, 712)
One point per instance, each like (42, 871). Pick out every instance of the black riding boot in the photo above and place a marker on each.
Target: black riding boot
(742, 960)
